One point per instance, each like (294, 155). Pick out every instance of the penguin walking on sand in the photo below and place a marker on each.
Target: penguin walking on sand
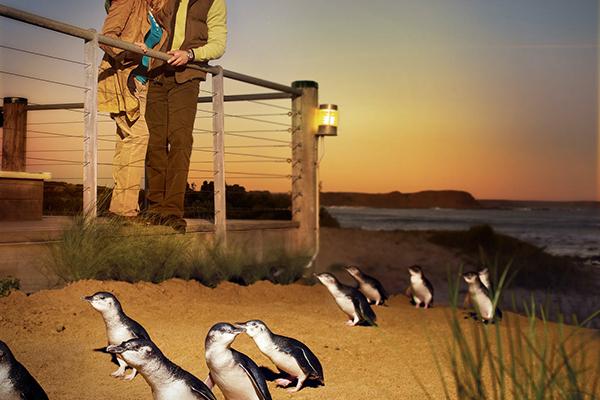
(481, 298)
(420, 290)
(369, 286)
(167, 380)
(238, 377)
(350, 300)
(119, 327)
(484, 277)
(289, 355)
(16, 383)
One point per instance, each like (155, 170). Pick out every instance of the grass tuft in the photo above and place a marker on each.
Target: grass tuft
(8, 284)
(108, 250)
(518, 359)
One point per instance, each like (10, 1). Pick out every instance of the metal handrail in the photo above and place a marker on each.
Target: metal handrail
(90, 34)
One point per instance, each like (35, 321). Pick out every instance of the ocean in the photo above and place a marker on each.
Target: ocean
(559, 230)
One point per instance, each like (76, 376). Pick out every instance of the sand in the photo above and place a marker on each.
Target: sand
(54, 333)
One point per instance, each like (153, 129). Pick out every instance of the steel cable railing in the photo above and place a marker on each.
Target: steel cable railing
(258, 141)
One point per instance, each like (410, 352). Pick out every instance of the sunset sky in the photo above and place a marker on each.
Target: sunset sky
(499, 98)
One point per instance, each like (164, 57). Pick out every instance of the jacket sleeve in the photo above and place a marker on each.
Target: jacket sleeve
(217, 33)
(118, 15)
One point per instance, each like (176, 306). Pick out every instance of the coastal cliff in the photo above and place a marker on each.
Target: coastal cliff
(426, 199)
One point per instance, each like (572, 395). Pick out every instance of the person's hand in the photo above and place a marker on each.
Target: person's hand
(179, 57)
(142, 46)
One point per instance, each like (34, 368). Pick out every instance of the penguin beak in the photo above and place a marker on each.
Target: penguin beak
(114, 349)
(240, 329)
(87, 298)
(240, 325)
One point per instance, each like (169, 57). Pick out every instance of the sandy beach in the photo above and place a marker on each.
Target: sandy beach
(54, 333)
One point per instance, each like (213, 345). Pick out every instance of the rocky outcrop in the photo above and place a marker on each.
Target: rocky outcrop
(426, 199)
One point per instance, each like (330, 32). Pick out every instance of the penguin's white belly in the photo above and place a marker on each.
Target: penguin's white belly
(175, 390)
(421, 292)
(483, 304)
(118, 334)
(346, 305)
(234, 383)
(7, 389)
(286, 363)
(370, 292)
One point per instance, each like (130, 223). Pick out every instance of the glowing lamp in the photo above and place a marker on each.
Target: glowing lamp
(328, 120)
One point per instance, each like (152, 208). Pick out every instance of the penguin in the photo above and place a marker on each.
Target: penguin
(119, 327)
(420, 290)
(16, 383)
(290, 356)
(484, 276)
(238, 377)
(350, 300)
(369, 286)
(167, 380)
(480, 296)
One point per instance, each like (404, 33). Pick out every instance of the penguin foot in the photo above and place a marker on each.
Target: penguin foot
(283, 382)
(131, 376)
(298, 385)
(350, 322)
(118, 373)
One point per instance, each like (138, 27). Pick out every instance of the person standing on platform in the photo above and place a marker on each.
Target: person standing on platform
(122, 89)
(198, 33)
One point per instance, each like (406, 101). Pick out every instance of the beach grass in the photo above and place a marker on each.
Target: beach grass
(8, 284)
(110, 250)
(514, 360)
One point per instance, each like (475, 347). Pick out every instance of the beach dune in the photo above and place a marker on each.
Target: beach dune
(54, 333)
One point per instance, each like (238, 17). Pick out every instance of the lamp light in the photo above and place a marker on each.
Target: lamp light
(328, 120)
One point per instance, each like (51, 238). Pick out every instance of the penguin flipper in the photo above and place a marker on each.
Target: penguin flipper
(308, 362)
(138, 330)
(253, 372)
(429, 286)
(200, 390)
(366, 312)
(29, 387)
(382, 291)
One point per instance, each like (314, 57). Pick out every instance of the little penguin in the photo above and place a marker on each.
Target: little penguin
(480, 296)
(420, 290)
(16, 383)
(369, 286)
(350, 300)
(238, 377)
(119, 327)
(484, 276)
(167, 380)
(289, 355)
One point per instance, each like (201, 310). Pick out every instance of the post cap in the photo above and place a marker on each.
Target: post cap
(15, 100)
(305, 84)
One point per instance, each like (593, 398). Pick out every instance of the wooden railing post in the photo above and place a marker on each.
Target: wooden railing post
(219, 156)
(304, 163)
(90, 136)
(14, 137)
